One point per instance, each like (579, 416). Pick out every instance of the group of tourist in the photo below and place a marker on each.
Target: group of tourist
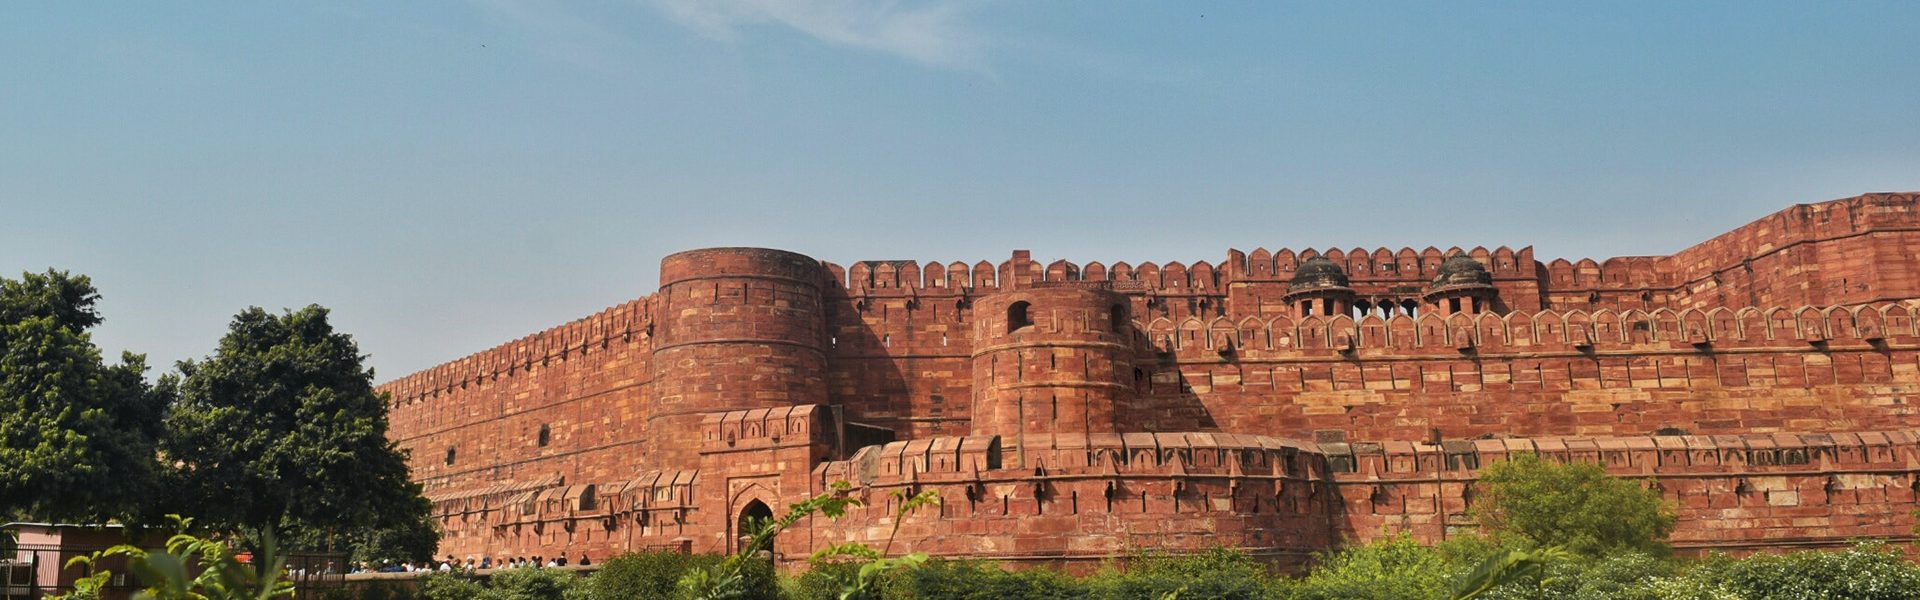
(470, 565)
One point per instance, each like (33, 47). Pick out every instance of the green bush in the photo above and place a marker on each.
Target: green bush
(974, 580)
(373, 590)
(822, 581)
(1868, 571)
(439, 586)
(1217, 573)
(530, 584)
(644, 575)
(1577, 507)
(1396, 568)
(1630, 576)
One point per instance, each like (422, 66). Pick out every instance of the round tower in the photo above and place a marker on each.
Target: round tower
(735, 328)
(1050, 360)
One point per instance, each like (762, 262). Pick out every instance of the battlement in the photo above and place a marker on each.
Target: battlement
(620, 323)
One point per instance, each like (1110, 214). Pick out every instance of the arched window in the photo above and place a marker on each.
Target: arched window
(449, 456)
(546, 435)
(1117, 316)
(1017, 316)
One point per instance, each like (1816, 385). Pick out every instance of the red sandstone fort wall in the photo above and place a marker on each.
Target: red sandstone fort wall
(1800, 324)
(586, 382)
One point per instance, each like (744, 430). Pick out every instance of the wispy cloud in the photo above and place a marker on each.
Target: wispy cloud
(931, 33)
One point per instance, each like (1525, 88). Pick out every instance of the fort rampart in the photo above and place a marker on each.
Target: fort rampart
(1281, 402)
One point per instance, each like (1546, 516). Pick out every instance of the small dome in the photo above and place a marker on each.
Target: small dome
(1459, 270)
(1318, 272)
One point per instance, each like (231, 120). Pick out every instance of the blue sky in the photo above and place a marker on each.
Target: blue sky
(450, 175)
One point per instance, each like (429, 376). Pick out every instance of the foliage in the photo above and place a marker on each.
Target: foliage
(1394, 568)
(974, 580)
(448, 585)
(285, 412)
(1399, 568)
(406, 538)
(1867, 571)
(77, 436)
(1630, 576)
(645, 574)
(65, 298)
(193, 568)
(1217, 573)
(864, 582)
(822, 581)
(728, 579)
(1577, 507)
(530, 584)
(381, 590)
(1511, 568)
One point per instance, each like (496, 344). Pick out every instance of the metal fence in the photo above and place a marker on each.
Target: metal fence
(32, 572)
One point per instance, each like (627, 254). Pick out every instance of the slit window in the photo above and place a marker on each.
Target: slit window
(546, 435)
(449, 456)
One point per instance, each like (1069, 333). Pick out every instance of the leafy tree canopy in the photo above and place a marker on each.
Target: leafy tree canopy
(67, 299)
(77, 436)
(280, 430)
(1577, 507)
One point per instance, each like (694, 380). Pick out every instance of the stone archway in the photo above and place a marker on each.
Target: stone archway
(744, 525)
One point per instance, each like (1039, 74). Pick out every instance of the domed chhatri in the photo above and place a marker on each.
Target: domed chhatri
(1318, 273)
(1461, 270)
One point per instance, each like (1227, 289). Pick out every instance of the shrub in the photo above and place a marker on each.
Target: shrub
(373, 590)
(822, 581)
(1867, 571)
(644, 575)
(1216, 573)
(1396, 568)
(438, 586)
(1577, 507)
(530, 584)
(1630, 576)
(974, 580)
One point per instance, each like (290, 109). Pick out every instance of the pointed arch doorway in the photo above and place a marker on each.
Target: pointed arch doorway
(751, 515)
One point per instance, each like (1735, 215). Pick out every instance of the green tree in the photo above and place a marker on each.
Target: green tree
(1576, 507)
(280, 432)
(77, 436)
(402, 539)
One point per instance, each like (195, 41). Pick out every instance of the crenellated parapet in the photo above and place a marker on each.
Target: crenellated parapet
(620, 324)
